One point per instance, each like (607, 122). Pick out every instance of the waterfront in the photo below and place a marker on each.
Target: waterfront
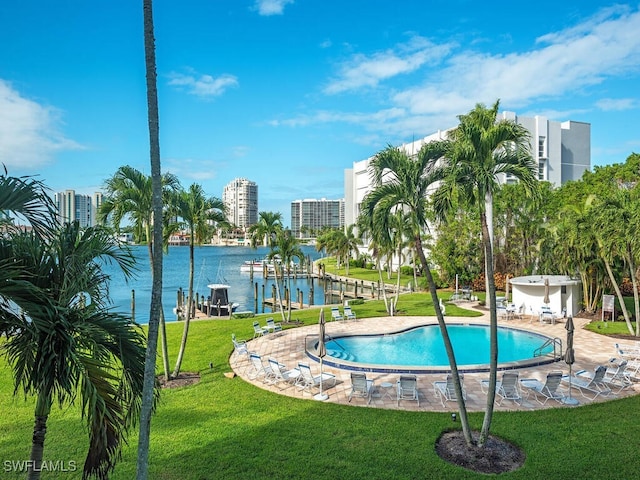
(212, 265)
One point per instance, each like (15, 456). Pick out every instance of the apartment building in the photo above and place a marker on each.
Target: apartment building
(310, 215)
(240, 197)
(562, 151)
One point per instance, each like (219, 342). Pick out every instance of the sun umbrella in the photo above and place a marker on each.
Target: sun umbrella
(322, 351)
(546, 291)
(569, 357)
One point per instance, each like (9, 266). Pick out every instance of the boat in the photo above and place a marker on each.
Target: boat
(217, 304)
(257, 267)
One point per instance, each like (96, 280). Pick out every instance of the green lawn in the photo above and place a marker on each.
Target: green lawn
(227, 429)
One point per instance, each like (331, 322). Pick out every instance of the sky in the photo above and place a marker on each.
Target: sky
(290, 93)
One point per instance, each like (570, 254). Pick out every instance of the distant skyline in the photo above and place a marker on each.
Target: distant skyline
(289, 93)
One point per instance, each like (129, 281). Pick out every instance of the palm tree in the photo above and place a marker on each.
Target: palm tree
(402, 184)
(64, 342)
(156, 316)
(286, 248)
(480, 150)
(132, 193)
(264, 232)
(198, 213)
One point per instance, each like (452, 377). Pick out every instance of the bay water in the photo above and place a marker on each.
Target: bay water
(213, 264)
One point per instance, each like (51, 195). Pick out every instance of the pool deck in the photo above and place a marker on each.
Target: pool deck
(288, 347)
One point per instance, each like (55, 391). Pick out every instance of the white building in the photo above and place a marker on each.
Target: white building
(315, 214)
(71, 207)
(562, 151)
(240, 197)
(564, 294)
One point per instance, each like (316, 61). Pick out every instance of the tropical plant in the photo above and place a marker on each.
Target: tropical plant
(264, 232)
(64, 342)
(480, 150)
(403, 184)
(286, 248)
(132, 193)
(198, 213)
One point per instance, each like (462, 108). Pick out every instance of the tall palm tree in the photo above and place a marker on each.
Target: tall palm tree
(155, 311)
(264, 232)
(198, 213)
(132, 193)
(65, 343)
(402, 184)
(287, 248)
(480, 150)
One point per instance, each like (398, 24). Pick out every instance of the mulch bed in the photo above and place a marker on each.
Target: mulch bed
(182, 380)
(497, 456)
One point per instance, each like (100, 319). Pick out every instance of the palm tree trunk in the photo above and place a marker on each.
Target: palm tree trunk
(42, 410)
(623, 307)
(384, 290)
(142, 466)
(275, 270)
(493, 333)
(634, 282)
(464, 419)
(398, 282)
(187, 320)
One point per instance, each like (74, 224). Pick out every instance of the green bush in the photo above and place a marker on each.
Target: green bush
(356, 301)
(406, 270)
(244, 315)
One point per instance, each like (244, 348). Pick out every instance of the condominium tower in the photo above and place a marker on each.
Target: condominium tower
(561, 150)
(308, 216)
(83, 208)
(240, 197)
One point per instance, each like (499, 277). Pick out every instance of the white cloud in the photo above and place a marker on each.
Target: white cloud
(609, 104)
(562, 63)
(29, 131)
(368, 71)
(203, 85)
(271, 7)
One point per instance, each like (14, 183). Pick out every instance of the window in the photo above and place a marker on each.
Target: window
(541, 170)
(542, 147)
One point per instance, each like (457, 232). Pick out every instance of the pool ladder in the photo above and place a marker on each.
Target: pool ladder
(557, 348)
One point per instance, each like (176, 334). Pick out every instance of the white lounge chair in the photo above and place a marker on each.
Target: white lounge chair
(361, 386)
(547, 390)
(259, 331)
(259, 369)
(335, 314)
(590, 385)
(240, 348)
(407, 388)
(273, 326)
(506, 389)
(348, 314)
(628, 352)
(445, 389)
(280, 374)
(307, 380)
(617, 376)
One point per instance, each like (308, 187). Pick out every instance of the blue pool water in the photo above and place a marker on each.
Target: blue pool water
(423, 347)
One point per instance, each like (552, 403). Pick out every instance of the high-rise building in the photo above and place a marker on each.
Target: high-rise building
(310, 215)
(562, 151)
(71, 207)
(240, 197)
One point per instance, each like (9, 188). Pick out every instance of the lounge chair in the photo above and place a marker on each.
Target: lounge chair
(307, 380)
(335, 314)
(628, 352)
(617, 376)
(360, 386)
(506, 389)
(590, 384)
(407, 389)
(259, 331)
(348, 314)
(445, 389)
(280, 374)
(273, 326)
(547, 390)
(239, 347)
(259, 369)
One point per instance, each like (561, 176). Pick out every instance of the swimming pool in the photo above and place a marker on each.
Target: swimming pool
(421, 350)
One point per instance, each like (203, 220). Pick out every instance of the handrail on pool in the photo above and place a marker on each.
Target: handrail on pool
(557, 344)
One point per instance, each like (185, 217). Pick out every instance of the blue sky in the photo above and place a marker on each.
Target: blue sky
(289, 93)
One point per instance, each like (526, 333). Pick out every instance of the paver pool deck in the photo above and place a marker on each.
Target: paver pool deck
(288, 347)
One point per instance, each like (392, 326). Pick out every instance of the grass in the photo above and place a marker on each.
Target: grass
(227, 429)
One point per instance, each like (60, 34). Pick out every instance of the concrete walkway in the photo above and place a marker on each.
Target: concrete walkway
(288, 347)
